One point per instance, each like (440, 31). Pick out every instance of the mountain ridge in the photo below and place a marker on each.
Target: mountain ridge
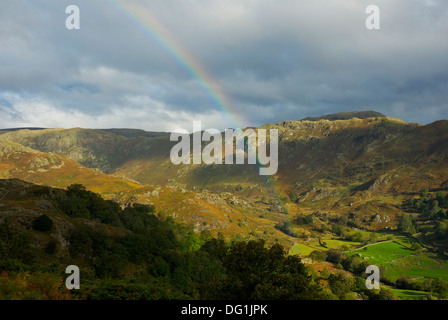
(347, 115)
(347, 193)
(335, 166)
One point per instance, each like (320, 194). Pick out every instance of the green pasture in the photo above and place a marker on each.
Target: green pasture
(397, 259)
(417, 266)
(301, 249)
(336, 244)
(385, 252)
(405, 294)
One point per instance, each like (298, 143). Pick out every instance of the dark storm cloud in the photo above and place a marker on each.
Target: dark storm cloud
(274, 61)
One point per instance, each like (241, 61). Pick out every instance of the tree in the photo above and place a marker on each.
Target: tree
(373, 237)
(425, 193)
(51, 247)
(75, 206)
(15, 245)
(406, 224)
(287, 228)
(386, 294)
(337, 229)
(440, 287)
(334, 256)
(340, 284)
(308, 219)
(317, 255)
(257, 272)
(355, 237)
(43, 223)
(403, 282)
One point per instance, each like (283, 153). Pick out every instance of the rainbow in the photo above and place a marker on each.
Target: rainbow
(157, 33)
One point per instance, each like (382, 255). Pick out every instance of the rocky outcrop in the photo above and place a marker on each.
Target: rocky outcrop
(380, 218)
(379, 183)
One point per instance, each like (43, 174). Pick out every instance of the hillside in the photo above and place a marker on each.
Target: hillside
(17, 161)
(226, 213)
(365, 167)
(138, 253)
(347, 116)
(326, 167)
(349, 187)
(129, 253)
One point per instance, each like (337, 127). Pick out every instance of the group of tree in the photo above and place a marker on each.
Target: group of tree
(134, 253)
(287, 227)
(430, 206)
(435, 286)
(80, 202)
(407, 224)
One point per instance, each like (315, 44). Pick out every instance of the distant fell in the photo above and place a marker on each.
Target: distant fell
(21, 128)
(134, 133)
(347, 116)
(364, 167)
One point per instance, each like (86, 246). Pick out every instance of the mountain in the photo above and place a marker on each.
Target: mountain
(326, 168)
(130, 253)
(347, 116)
(17, 161)
(105, 150)
(224, 212)
(352, 189)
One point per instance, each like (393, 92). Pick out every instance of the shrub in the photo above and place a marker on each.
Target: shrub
(51, 247)
(308, 219)
(317, 255)
(43, 223)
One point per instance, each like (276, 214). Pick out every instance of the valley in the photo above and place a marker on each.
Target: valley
(352, 189)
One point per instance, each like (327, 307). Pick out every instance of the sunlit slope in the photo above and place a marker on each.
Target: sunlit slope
(341, 152)
(363, 166)
(17, 161)
(225, 213)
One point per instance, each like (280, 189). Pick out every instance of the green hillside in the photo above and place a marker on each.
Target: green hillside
(351, 189)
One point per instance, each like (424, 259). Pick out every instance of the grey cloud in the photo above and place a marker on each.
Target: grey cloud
(275, 61)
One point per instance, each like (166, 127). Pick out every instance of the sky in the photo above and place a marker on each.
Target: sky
(159, 65)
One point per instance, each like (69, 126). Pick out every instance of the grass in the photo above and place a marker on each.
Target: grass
(405, 294)
(304, 250)
(397, 259)
(367, 234)
(416, 266)
(394, 257)
(335, 244)
(385, 252)
(301, 249)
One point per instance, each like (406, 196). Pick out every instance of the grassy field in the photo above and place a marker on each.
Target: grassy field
(404, 294)
(393, 256)
(336, 244)
(397, 259)
(383, 253)
(305, 249)
(417, 266)
(301, 249)
(367, 234)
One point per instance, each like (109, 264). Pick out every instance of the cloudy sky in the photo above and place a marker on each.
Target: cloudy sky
(160, 64)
